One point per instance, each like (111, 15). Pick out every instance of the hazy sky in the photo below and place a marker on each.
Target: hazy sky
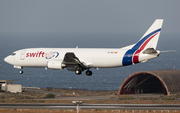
(87, 16)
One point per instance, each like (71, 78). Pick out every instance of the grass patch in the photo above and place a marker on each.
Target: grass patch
(50, 95)
(149, 98)
(168, 98)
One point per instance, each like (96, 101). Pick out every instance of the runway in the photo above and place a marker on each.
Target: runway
(94, 106)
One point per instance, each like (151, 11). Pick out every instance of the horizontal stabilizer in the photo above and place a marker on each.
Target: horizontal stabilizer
(167, 51)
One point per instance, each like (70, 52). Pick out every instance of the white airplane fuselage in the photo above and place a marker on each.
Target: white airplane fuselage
(39, 57)
(94, 58)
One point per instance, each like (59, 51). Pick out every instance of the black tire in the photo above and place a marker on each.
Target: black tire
(21, 71)
(88, 73)
(78, 72)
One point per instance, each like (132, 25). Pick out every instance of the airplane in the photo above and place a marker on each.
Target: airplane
(80, 59)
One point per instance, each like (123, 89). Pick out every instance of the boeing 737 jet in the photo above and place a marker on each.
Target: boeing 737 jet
(80, 59)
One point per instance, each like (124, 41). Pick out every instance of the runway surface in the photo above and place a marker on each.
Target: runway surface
(94, 106)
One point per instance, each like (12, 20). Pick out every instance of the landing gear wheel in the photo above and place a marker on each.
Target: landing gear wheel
(21, 71)
(88, 73)
(78, 72)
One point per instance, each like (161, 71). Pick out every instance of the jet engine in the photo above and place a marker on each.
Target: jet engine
(54, 65)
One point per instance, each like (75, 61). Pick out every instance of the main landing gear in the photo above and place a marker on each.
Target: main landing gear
(79, 71)
(88, 73)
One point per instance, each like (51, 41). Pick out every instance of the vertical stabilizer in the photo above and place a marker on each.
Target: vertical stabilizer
(150, 38)
(148, 42)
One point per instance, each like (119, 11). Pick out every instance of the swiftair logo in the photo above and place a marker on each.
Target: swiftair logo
(43, 54)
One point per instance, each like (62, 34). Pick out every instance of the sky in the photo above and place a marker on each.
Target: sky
(87, 16)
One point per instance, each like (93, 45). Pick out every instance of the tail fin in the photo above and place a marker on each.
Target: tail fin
(150, 38)
(148, 42)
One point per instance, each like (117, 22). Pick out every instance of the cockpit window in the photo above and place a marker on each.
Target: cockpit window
(13, 54)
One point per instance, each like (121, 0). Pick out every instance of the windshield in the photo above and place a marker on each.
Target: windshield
(13, 54)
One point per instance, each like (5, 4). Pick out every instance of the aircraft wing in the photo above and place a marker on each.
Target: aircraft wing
(71, 62)
(70, 58)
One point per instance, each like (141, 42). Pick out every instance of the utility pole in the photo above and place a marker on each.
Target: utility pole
(77, 103)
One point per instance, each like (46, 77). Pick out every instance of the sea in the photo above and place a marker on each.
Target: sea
(102, 79)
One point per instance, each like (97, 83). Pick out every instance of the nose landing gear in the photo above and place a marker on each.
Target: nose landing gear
(21, 71)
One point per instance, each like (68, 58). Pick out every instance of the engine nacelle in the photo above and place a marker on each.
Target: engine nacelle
(54, 65)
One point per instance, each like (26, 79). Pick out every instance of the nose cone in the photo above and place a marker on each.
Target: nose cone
(8, 59)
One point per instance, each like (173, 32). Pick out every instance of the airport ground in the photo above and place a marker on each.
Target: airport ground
(84, 111)
(89, 98)
(52, 95)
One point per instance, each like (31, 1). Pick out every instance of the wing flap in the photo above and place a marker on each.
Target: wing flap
(71, 60)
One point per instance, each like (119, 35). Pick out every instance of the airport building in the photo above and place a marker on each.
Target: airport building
(162, 82)
(8, 85)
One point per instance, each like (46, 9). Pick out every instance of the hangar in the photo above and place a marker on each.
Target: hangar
(162, 82)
